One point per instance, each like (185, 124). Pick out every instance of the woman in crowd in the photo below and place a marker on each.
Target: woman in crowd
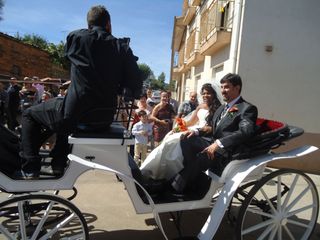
(162, 115)
(166, 160)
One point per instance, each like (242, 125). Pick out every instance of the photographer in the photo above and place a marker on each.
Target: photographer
(101, 65)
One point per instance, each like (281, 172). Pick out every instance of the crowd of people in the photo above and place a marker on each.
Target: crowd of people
(18, 95)
(161, 117)
(103, 66)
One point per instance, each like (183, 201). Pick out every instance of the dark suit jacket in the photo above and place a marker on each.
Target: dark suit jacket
(237, 126)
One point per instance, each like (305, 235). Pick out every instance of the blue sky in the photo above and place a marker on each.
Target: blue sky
(149, 23)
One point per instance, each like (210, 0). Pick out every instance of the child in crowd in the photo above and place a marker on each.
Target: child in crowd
(141, 130)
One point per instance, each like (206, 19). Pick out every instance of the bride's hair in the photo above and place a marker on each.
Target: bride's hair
(215, 101)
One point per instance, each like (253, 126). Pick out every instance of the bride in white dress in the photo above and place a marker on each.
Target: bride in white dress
(166, 160)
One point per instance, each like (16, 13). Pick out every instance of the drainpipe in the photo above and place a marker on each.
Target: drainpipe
(236, 34)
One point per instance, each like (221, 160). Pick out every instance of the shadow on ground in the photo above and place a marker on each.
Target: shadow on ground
(190, 225)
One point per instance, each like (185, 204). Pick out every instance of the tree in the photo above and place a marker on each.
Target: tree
(57, 54)
(147, 74)
(1, 7)
(34, 40)
(171, 86)
(162, 77)
(159, 84)
(56, 51)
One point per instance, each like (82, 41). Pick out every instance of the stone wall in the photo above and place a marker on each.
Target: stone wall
(19, 59)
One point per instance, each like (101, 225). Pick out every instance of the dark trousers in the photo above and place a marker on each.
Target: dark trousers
(38, 123)
(196, 162)
(12, 114)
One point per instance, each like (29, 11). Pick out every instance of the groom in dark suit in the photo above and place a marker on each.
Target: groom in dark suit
(211, 147)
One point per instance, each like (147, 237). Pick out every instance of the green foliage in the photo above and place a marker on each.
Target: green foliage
(162, 77)
(171, 86)
(159, 84)
(146, 71)
(56, 51)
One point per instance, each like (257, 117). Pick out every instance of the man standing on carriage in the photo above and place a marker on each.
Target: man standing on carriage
(211, 147)
(101, 66)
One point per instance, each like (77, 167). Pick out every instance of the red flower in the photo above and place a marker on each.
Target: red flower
(233, 109)
(181, 125)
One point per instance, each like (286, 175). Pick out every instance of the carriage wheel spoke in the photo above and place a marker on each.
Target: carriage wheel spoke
(42, 221)
(257, 226)
(279, 233)
(22, 220)
(6, 233)
(300, 224)
(273, 233)
(259, 212)
(279, 194)
(268, 200)
(292, 187)
(59, 225)
(290, 214)
(288, 232)
(266, 232)
(298, 198)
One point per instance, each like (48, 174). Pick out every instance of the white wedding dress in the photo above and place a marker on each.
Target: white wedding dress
(166, 160)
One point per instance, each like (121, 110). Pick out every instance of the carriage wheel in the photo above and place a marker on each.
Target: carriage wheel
(282, 205)
(41, 216)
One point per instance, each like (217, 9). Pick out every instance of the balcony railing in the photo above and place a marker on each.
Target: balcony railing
(216, 26)
(179, 60)
(195, 2)
(191, 44)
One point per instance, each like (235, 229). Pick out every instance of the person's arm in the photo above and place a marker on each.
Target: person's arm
(154, 114)
(246, 129)
(181, 110)
(194, 118)
(135, 130)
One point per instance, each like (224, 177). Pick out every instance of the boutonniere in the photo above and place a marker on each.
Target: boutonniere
(181, 125)
(233, 110)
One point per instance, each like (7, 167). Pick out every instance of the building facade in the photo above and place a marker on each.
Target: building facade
(273, 45)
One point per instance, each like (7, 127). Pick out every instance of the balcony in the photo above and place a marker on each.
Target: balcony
(189, 14)
(179, 61)
(193, 56)
(195, 2)
(216, 27)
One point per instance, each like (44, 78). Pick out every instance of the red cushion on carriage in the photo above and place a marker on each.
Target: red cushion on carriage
(265, 127)
(270, 134)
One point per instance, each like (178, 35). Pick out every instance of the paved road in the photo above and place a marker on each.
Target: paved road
(110, 214)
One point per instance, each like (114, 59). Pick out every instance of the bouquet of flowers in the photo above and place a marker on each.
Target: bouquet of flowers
(180, 125)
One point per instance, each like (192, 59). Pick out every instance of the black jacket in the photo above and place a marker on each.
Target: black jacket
(237, 127)
(101, 65)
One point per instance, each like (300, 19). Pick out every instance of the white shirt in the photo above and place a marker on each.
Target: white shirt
(137, 130)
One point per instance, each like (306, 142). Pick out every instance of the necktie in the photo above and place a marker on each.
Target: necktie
(223, 113)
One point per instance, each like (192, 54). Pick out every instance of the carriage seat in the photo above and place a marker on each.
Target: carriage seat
(270, 134)
(115, 131)
(97, 123)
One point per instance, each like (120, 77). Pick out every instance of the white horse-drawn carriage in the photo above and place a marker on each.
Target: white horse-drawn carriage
(281, 204)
